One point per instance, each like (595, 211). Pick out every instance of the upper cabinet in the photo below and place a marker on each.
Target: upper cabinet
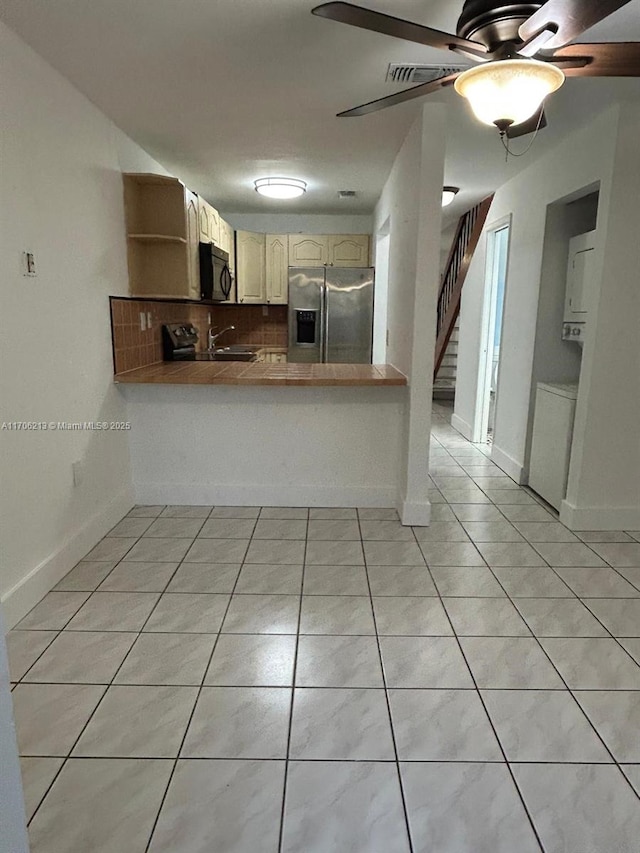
(165, 222)
(193, 241)
(319, 250)
(308, 250)
(251, 267)
(349, 250)
(277, 273)
(209, 220)
(161, 218)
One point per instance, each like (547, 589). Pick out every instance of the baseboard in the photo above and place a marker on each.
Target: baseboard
(415, 514)
(599, 517)
(19, 600)
(510, 467)
(462, 426)
(205, 494)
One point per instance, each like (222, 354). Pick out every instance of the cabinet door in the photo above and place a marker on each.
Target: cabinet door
(308, 250)
(193, 238)
(250, 267)
(277, 269)
(214, 225)
(204, 230)
(227, 244)
(349, 250)
(231, 243)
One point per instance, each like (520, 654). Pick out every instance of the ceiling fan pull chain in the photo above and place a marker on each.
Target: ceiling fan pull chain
(505, 140)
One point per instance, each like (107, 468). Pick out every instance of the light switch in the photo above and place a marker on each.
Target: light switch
(29, 264)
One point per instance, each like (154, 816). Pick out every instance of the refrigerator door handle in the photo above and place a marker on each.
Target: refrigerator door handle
(325, 323)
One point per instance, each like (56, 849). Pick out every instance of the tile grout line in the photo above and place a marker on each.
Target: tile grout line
(479, 695)
(293, 693)
(106, 686)
(193, 710)
(568, 688)
(387, 700)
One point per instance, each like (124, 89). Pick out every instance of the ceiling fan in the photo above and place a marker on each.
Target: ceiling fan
(522, 53)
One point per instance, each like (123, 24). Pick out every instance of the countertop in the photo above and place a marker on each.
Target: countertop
(259, 373)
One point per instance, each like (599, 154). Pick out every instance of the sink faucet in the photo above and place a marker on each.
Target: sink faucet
(213, 338)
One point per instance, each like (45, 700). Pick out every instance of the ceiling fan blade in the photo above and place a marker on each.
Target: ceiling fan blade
(567, 19)
(537, 121)
(614, 59)
(400, 97)
(367, 19)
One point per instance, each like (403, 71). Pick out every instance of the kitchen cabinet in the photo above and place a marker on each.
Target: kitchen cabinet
(227, 244)
(251, 267)
(308, 250)
(349, 250)
(193, 240)
(339, 250)
(162, 224)
(277, 273)
(209, 223)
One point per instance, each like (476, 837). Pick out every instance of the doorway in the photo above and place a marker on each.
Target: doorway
(495, 286)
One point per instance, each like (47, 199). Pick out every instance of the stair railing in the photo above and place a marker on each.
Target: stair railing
(463, 247)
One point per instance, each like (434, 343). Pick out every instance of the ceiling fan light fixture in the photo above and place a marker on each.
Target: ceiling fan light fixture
(281, 187)
(448, 195)
(508, 91)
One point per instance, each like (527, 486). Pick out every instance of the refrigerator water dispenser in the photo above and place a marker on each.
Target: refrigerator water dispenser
(306, 326)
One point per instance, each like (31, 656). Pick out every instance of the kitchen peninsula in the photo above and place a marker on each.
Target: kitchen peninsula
(253, 433)
(266, 439)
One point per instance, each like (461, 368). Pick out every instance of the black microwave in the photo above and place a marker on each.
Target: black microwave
(215, 276)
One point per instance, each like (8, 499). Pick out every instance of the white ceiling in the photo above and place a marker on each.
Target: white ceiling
(225, 91)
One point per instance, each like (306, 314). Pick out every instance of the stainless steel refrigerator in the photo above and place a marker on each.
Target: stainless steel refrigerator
(331, 314)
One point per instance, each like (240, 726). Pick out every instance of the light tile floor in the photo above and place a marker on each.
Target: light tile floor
(246, 680)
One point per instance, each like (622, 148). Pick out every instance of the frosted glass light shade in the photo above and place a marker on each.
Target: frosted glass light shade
(448, 195)
(510, 90)
(280, 187)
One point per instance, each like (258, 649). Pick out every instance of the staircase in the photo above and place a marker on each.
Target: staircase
(455, 272)
(444, 384)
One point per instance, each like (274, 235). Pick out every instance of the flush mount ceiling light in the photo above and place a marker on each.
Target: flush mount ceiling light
(280, 187)
(448, 195)
(509, 91)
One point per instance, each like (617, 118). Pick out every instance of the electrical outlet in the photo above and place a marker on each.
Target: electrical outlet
(209, 318)
(78, 472)
(143, 321)
(29, 264)
(265, 310)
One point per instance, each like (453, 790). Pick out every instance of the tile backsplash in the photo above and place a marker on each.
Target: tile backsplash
(133, 348)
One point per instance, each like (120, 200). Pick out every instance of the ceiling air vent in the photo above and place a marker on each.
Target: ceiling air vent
(346, 193)
(414, 72)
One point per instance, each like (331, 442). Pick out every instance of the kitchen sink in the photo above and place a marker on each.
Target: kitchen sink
(234, 352)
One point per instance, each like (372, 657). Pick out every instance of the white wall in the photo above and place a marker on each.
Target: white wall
(605, 444)
(410, 211)
(296, 223)
(604, 478)
(581, 160)
(266, 446)
(61, 198)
